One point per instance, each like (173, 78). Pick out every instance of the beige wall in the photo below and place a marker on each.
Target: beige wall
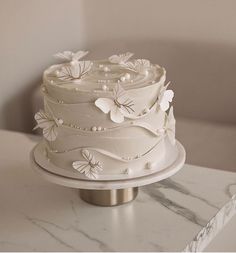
(194, 40)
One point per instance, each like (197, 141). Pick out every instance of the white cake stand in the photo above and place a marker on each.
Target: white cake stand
(114, 192)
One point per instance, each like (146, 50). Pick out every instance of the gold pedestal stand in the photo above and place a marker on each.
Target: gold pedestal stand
(113, 197)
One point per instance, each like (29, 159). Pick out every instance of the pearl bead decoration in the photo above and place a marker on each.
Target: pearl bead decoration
(94, 128)
(106, 69)
(60, 121)
(104, 87)
(57, 72)
(123, 79)
(73, 63)
(150, 165)
(127, 76)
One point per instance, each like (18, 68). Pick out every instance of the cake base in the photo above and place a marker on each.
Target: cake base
(168, 169)
(112, 197)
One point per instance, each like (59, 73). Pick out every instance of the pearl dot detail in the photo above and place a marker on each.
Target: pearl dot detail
(99, 128)
(104, 87)
(150, 165)
(94, 128)
(60, 121)
(72, 63)
(106, 69)
(127, 76)
(123, 79)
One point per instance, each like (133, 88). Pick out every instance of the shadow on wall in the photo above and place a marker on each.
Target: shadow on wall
(18, 111)
(202, 75)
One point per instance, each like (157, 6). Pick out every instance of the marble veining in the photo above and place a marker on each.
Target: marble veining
(171, 184)
(173, 206)
(181, 213)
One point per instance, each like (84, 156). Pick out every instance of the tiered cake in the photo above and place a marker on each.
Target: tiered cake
(105, 120)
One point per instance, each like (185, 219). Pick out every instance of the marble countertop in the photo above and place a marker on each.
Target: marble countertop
(181, 213)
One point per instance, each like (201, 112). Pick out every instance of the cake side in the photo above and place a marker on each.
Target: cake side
(111, 121)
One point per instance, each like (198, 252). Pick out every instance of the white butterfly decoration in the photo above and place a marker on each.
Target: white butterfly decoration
(49, 124)
(90, 167)
(70, 56)
(170, 126)
(74, 71)
(166, 96)
(119, 106)
(120, 58)
(139, 66)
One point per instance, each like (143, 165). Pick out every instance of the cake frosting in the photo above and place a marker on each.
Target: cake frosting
(106, 119)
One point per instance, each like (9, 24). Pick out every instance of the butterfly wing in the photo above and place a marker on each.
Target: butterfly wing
(74, 71)
(79, 55)
(87, 155)
(48, 124)
(129, 65)
(43, 119)
(66, 55)
(169, 94)
(91, 173)
(141, 65)
(51, 132)
(166, 96)
(121, 58)
(114, 59)
(170, 126)
(126, 56)
(118, 91)
(80, 166)
(104, 104)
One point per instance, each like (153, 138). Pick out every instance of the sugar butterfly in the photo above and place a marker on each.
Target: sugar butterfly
(165, 97)
(119, 105)
(48, 123)
(120, 58)
(70, 56)
(90, 167)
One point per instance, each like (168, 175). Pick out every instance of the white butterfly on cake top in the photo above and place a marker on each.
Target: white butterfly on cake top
(75, 71)
(70, 56)
(120, 58)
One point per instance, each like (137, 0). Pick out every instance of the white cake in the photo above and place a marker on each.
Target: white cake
(107, 119)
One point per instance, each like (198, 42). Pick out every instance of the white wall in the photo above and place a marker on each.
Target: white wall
(194, 40)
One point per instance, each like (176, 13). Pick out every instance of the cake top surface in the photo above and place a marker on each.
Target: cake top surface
(75, 73)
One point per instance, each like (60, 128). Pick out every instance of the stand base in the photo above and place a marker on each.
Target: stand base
(112, 197)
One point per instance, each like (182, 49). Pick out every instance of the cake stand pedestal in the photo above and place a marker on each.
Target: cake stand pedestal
(112, 192)
(112, 197)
